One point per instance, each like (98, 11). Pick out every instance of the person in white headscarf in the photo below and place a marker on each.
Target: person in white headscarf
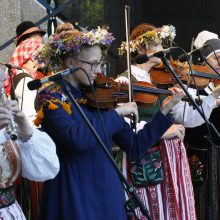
(211, 52)
(199, 149)
(203, 37)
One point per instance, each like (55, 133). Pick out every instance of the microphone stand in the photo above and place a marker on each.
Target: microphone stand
(134, 200)
(208, 123)
(13, 96)
(210, 186)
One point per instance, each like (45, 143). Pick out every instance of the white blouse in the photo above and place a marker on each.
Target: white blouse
(26, 99)
(36, 158)
(191, 118)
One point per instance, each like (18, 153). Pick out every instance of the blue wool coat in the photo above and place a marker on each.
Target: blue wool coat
(87, 186)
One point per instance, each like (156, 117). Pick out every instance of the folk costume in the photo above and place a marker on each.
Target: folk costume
(28, 43)
(27, 46)
(172, 197)
(87, 186)
(33, 159)
(204, 156)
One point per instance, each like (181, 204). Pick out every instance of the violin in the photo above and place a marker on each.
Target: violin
(109, 93)
(162, 78)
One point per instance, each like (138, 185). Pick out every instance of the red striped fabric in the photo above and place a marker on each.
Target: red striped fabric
(173, 199)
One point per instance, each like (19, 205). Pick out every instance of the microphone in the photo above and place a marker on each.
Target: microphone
(37, 83)
(184, 57)
(143, 58)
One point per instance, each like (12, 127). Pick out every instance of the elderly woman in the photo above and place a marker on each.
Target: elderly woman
(87, 186)
(204, 157)
(29, 41)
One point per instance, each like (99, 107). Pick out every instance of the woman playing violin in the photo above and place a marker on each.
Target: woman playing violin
(87, 186)
(141, 72)
(199, 148)
(173, 191)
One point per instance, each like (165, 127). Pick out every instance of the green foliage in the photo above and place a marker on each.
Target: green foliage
(93, 12)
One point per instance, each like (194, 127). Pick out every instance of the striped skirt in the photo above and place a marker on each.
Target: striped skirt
(13, 212)
(172, 199)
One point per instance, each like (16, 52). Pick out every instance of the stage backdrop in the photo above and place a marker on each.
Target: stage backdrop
(189, 18)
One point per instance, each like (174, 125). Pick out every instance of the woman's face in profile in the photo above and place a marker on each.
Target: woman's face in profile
(154, 49)
(215, 61)
(31, 66)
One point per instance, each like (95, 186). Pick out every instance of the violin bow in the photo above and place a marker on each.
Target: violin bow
(127, 26)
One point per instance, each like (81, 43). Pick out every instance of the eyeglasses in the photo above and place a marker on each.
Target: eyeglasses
(94, 65)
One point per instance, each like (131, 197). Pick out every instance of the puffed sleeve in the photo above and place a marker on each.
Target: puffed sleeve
(38, 156)
(192, 118)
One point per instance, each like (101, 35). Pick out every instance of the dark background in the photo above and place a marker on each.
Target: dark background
(188, 16)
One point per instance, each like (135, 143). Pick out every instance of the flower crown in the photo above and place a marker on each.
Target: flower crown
(164, 35)
(71, 42)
